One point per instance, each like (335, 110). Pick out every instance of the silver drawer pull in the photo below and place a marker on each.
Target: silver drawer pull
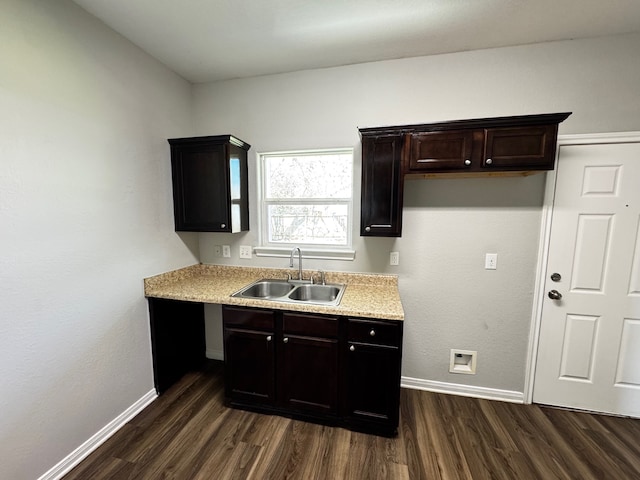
(352, 348)
(285, 340)
(372, 332)
(269, 338)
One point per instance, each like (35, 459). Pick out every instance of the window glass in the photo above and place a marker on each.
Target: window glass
(307, 198)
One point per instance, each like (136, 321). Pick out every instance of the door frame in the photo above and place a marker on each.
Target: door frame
(545, 239)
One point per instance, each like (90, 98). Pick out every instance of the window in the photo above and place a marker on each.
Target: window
(306, 200)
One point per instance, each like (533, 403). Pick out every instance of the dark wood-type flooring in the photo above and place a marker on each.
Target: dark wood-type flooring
(188, 433)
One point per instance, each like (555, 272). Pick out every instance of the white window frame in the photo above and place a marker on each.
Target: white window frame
(327, 252)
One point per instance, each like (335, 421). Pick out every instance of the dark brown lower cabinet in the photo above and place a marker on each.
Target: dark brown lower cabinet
(318, 366)
(321, 368)
(373, 374)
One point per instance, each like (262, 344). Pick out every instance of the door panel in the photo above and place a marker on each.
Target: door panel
(589, 345)
(591, 252)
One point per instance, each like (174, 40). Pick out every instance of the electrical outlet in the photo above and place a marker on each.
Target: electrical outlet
(217, 250)
(394, 258)
(245, 251)
(226, 251)
(491, 261)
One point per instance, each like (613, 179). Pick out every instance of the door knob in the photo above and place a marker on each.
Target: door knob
(555, 295)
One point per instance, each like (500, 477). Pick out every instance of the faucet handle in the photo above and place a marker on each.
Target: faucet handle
(322, 279)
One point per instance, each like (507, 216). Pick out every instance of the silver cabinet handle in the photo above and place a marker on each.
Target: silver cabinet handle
(352, 348)
(268, 338)
(488, 161)
(223, 225)
(555, 295)
(367, 229)
(467, 162)
(285, 340)
(372, 332)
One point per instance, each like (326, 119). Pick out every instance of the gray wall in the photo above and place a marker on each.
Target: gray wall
(450, 301)
(85, 215)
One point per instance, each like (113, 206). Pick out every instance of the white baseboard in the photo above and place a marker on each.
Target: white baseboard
(74, 458)
(463, 390)
(214, 354)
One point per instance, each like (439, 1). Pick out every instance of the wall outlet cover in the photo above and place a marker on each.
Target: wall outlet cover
(226, 251)
(394, 258)
(245, 251)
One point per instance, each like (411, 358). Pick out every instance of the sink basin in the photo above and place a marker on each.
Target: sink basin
(315, 293)
(266, 289)
(284, 291)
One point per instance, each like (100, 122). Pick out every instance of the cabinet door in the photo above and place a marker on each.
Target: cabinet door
(373, 383)
(309, 374)
(438, 151)
(249, 363)
(382, 186)
(200, 188)
(520, 148)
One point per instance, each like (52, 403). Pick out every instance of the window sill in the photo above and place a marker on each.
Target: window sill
(310, 252)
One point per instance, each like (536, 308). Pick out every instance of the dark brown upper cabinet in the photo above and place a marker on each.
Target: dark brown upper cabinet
(506, 144)
(503, 146)
(382, 185)
(210, 184)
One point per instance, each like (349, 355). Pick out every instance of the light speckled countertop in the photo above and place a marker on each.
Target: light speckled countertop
(366, 295)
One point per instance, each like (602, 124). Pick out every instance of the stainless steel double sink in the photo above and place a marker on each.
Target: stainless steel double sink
(293, 291)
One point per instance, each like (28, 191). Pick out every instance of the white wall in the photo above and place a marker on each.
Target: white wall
(85, 215)
(450, 301)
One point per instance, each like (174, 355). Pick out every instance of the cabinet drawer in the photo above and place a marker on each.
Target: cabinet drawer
(248, 318)
(309, 325)
(379, 333)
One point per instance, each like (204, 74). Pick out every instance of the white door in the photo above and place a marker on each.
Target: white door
(589, 344)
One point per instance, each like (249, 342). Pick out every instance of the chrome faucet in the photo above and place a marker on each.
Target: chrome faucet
(299, 261)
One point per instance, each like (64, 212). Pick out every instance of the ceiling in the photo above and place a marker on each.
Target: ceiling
(209, 40)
